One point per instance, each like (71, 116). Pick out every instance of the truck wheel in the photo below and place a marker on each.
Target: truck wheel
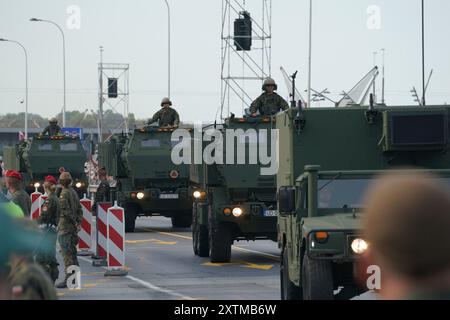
(317, 279)
(219, 243)
(203, 241)
(130, 218)
(289, 291)
(194, 229)
(182, 221)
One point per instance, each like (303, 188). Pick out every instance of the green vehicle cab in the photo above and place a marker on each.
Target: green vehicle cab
(234, 201)
(40, 156)
(148, 183)
(328, 159)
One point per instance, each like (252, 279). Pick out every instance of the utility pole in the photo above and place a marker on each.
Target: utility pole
(100, 97)
(309, 55)
(423, 54)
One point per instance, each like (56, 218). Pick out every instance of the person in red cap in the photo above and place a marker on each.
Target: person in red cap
(13, 181)
(48, 221)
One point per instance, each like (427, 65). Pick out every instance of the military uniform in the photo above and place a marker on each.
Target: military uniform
(22, 199)
(268, 104)
(48, 222)
(28, 281)
(70, 217)
(102, 194)
(52, 130)
(166, 117)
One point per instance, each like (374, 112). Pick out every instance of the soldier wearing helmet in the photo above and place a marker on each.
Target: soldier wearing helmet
(70, 217)
(167, 116)
(52, 129)
(268, 103)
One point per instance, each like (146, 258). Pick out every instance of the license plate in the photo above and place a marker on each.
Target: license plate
(271, 213)
(168, 196)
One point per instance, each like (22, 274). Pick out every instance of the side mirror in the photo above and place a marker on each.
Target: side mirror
(286, 200)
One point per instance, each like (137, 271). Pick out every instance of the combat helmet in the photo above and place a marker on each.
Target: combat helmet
(165, 101)
(269, 82)
(53, 120)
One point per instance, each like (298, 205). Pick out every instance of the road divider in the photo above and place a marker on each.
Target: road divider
(85, 234)
(115, 221)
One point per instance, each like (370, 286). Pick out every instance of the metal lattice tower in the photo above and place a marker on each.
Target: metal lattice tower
(120, 72)
(239, 66)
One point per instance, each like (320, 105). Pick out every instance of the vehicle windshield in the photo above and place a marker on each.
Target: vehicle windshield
(348, 193)
(68, 147)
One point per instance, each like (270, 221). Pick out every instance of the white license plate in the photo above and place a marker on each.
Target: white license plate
(168, 196)
(271, 213)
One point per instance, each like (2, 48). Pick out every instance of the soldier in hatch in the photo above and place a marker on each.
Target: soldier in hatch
(167, 116)
(52, 129)
(268, 103)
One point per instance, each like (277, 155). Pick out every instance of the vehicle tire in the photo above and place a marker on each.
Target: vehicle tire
(289, 291)
(183, 220)
(203, 241)
(194, 229)
(219, 243)
(317, 279)
(130, 218)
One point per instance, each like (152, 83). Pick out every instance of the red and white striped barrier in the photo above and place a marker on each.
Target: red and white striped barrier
(116, 241)
(102, 232)
(35, 205)
(84, 236)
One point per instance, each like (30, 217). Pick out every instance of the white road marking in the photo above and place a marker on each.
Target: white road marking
(148, 285)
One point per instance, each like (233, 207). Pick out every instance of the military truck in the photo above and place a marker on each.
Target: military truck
(234, 201)
(329, 157)
(148, 183)
(40, 156)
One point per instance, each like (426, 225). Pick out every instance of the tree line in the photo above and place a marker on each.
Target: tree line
(74, 119)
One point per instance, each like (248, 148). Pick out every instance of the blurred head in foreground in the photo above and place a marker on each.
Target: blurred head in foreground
(407, 225)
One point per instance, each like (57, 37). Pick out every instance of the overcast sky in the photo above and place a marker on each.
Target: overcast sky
(135, 32)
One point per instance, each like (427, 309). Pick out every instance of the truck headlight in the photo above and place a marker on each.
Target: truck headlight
(197, 194)
(140, 195)
(359, 246)
(237, 212)
(37, 184)
(78, 185)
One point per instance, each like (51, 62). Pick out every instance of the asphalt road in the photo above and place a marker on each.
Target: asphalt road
(161, 265)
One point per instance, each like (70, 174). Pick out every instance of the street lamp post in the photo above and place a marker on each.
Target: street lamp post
(168, 57)
(309, 53)
(26, 82)
(64, 62)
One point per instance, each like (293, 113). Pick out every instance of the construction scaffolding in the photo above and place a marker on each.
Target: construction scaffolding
(246, 53)
(116, 94)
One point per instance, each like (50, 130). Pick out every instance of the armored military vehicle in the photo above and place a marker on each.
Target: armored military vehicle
(328, 159)
(40, 156)
(233, 199)
(148, 183)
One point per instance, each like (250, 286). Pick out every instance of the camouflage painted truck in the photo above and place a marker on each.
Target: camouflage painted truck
(148, 183)
(40, 156)
(328, 158)
(234, 201)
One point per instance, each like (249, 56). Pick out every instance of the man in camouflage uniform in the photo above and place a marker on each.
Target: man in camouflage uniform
(48, 221)
(70, 217)
(407, 225)
(268, 103)
(52, 129)
(18, 195)
(167, 116)
(27, 280)
(103, 190)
